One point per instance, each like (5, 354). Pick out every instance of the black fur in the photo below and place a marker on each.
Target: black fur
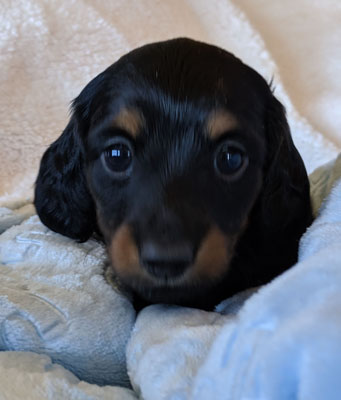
(174, 192)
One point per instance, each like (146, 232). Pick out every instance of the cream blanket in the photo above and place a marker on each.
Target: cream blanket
(50, 50)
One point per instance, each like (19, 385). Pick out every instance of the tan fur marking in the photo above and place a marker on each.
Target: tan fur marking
(213, 256)
(129, 120)
(220, 122)
(212, 260)
(124, 253)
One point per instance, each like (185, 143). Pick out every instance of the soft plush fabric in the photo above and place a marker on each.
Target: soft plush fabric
(31, 376)
(304, 39)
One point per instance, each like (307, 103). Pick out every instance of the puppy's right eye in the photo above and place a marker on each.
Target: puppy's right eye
(118, 158)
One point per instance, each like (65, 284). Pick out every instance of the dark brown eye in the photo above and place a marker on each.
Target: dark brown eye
(118, 158)
(230, 160)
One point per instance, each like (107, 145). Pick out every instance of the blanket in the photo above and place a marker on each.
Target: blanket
(54, 301)
(281, 341)
(64, 331)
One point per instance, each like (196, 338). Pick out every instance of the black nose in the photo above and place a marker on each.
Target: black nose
(166, 261)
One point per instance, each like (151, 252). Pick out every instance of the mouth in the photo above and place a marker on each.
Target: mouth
(166, 273)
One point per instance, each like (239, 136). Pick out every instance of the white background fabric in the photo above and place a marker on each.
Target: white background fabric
(50, 50)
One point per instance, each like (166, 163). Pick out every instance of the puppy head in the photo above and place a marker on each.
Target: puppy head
(173, 151)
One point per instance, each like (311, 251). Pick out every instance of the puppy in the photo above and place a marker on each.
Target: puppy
(181, 156)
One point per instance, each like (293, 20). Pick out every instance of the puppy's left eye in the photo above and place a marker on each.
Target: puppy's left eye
(230, 160)
(118, 158)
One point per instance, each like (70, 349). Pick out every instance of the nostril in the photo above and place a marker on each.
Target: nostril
(166, 261)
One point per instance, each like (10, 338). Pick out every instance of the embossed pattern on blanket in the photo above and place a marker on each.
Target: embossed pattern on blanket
(54, 300)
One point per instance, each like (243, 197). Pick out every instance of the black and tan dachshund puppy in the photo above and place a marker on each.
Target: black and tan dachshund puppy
(181, 156)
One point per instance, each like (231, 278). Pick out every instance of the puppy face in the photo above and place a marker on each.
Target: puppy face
(174, 153)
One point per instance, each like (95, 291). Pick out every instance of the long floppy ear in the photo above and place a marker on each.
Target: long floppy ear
(285, 199)
(62, 199)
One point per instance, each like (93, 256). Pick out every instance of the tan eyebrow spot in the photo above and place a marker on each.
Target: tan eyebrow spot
(220, 122)
(130, 120)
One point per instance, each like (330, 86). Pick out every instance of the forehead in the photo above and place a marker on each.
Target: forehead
(183, 82)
